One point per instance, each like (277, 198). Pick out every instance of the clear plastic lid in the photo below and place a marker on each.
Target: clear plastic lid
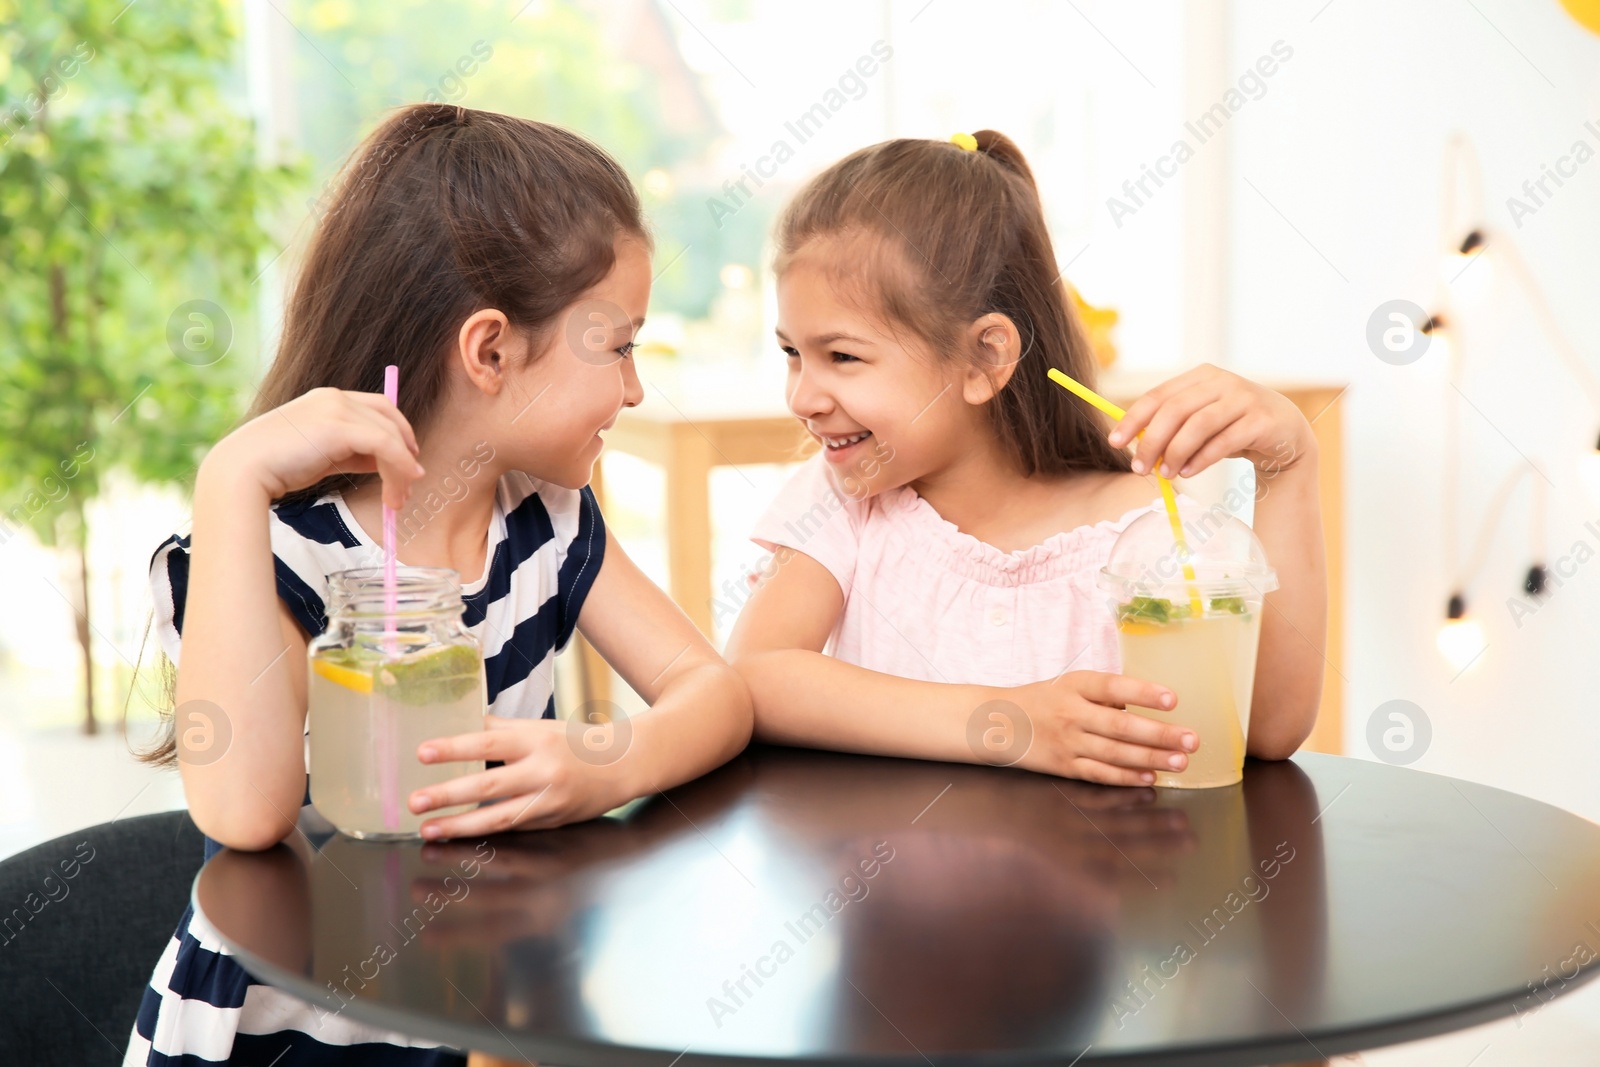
(1226, 556)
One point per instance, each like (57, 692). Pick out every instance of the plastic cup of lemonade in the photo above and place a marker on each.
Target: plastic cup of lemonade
(1196, 637)
(376, 693)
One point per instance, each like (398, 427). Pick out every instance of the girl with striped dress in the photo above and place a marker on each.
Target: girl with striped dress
(504, 266)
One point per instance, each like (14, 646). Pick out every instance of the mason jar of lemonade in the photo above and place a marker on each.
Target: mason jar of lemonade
(1189, 618)
(380, 684)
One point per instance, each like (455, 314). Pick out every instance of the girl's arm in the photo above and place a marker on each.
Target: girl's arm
(699, 715)
(1073, 725)
(1294, 619)
(241, 699)
(240, 703)
(806, 698)
(560, 772)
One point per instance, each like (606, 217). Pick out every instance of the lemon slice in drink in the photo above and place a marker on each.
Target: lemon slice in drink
(357, 680)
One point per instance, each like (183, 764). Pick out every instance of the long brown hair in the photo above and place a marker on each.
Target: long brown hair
(952, 235)
(440, 212)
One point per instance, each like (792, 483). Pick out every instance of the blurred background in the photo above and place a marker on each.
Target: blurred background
(1397, 205)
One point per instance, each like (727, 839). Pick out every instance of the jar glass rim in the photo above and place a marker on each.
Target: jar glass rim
(360, 590)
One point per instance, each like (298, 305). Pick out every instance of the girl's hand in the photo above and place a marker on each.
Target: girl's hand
(1080, 728)
(1207, 414)
(320, 433)
(544, 783)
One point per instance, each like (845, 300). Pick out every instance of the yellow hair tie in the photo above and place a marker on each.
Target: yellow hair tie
(965, 141)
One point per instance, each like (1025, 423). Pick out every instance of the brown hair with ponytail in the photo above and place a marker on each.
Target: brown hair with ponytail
(440, 212)
(936, 236)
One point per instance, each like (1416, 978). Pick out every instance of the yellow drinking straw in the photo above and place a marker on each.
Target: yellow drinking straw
(1072, 385)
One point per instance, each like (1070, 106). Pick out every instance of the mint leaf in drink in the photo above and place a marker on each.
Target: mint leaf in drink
(439, 676)
(1231, 605)
(1147, 609)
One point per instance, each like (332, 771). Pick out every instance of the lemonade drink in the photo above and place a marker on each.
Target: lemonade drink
(1210, 663)
(434, 693)
(1188, 618)
(384, 677)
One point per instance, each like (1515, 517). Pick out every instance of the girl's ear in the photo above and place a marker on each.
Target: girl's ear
(997, 346)
(488, 347)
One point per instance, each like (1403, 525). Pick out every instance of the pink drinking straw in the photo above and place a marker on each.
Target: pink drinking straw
(388, 769)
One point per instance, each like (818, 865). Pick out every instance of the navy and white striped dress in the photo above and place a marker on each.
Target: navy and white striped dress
(546, 546)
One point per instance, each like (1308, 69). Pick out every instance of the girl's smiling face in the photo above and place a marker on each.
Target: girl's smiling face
(887, 409)
(573, 391)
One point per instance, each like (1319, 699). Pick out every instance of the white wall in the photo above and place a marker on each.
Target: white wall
(1346, 145)
(1090, 92)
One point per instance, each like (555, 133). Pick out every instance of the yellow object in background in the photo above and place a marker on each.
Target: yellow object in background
(1587, 12)
(1098, 324)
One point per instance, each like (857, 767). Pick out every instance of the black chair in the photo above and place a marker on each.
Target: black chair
(83, 920)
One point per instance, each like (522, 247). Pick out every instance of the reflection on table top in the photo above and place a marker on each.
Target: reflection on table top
(807, 907)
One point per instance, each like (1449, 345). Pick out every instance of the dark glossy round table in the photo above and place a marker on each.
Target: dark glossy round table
(811, 908)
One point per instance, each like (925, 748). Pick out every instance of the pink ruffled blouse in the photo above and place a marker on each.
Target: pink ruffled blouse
(924, 600)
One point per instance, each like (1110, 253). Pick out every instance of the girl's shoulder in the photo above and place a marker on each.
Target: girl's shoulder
(560, 525)
(544, 536)
(310, 539)
(321, 536)
(1108, 496)
(815, 515)
(1115, 499)
(550, 534)
(324, 522)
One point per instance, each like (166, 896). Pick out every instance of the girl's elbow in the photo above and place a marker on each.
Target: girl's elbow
(741, 705)
(738, 708)
(245, 831)
(764, 687)
(1283, 739)
(1274, 749)
(739, 738)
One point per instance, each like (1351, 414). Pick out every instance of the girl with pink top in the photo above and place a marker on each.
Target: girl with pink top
(939, 554)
